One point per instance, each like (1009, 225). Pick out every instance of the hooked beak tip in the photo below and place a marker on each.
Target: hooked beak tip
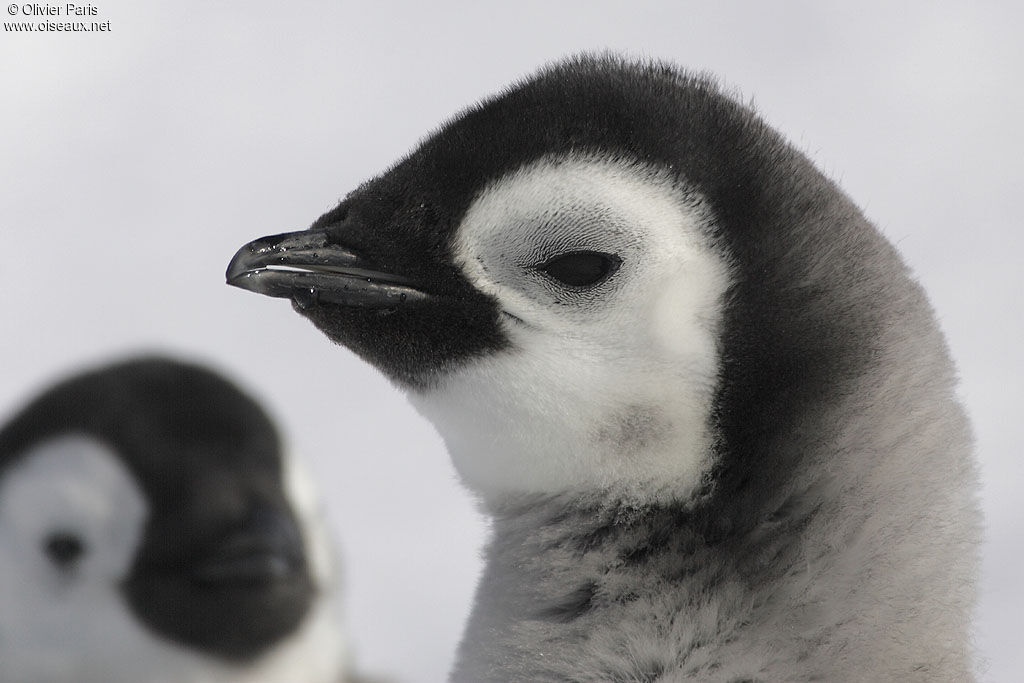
(302, 266)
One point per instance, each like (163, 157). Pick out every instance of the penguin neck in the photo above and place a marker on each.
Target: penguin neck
(856, 565)
(634, 590)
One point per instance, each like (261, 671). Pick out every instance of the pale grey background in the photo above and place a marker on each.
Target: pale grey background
(133, 164)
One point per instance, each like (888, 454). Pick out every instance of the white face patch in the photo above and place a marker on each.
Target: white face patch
(608, 385)
(62, 616)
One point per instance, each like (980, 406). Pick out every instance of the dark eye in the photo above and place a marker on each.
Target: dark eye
(63, 548)
(581, 268)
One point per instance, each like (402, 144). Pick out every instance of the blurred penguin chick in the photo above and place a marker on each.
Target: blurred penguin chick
(153, 530)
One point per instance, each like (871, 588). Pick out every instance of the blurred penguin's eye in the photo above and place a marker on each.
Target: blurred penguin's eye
(63, 548)
(581, 268)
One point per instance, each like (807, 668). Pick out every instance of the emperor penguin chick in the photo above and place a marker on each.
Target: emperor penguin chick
(707, 406)
(153, 531)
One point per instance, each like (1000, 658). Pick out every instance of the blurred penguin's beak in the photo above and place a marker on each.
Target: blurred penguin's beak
(268, 547)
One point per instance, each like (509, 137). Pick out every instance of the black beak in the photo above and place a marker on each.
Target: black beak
(235, 593)
(266, 548)
(304, 267)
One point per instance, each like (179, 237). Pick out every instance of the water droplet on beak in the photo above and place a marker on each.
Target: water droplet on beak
(305, 298)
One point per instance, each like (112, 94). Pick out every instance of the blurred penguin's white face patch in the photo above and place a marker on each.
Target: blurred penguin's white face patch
(610, 290)
(71, 516)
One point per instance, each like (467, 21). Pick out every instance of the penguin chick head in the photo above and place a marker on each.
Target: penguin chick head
(601, 281)
(150, 530)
